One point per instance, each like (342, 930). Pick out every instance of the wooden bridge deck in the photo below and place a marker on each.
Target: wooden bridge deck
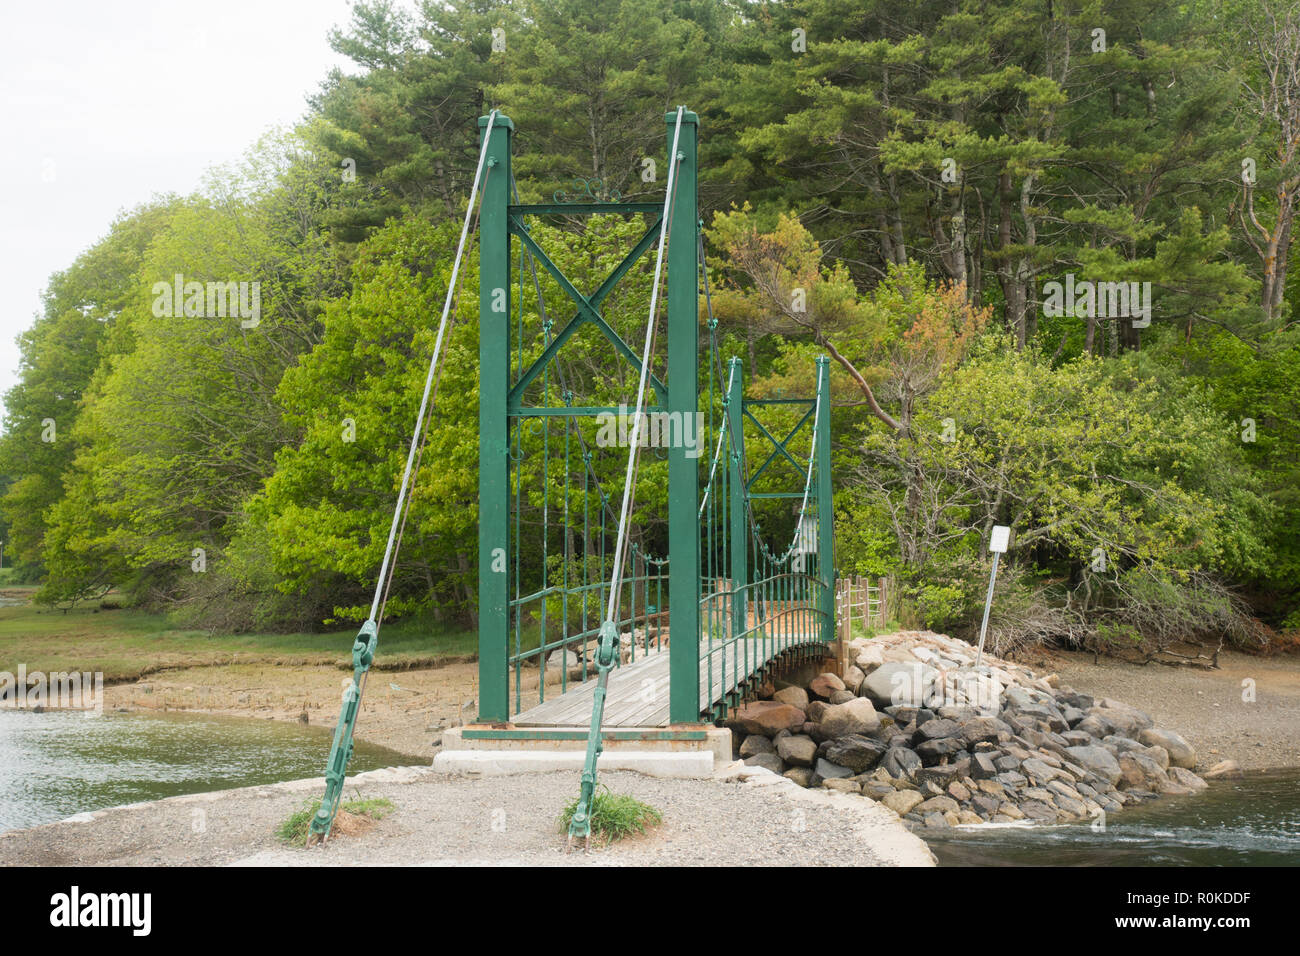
(631, 702)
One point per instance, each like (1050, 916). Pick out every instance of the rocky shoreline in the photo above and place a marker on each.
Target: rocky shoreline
(914, 725)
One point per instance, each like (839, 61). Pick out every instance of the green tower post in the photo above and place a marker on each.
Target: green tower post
(683, 403)
(494, 428)
(825, 502)
(739, 532)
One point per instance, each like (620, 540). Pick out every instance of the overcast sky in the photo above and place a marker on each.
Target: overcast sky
(105, 102)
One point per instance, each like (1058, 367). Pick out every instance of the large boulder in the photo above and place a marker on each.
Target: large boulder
(563, 661)
(1127, 721)
(984, 730)
(800, 775)
(978, 690)
(982, 767)
(1068, 698)
(1140, 771)
(792, 695)
(941, 776)
(1077, 738)
(856, 752)
(875, 789)
(767, 761)
(797, 749)
(856, 716)
(940, 804)
(825, 684)
(1095, 725)
(985, 804)
(934, 729)
(1186, 778)
(853, 678)
(825, 770)
(1225, 770)
(1097, 759)
(901, 762)
(768, 717)
(902, 802)
(1180, 751)
(897, 682)
(934, 751)
(869, 658)
(1040, 770)
(756, 744)
(1159, 754)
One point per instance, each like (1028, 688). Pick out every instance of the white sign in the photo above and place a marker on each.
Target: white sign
(1000, 538)
(807, 538)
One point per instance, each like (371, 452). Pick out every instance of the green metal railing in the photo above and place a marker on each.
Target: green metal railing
(762, 605)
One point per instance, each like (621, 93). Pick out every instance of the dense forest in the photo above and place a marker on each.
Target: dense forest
(933, 182)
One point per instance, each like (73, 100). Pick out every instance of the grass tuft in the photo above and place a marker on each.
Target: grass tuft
(296, 827)
(614, 816)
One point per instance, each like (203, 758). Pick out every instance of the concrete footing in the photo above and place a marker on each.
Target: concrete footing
(680, 751)
(496, 762)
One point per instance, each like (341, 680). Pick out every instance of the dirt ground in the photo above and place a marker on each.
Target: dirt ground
(405, 711)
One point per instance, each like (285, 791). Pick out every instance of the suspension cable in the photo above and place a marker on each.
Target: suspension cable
(616, 580)
(717, 452)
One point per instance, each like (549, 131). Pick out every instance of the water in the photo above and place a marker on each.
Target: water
(58, 763)
(1250, 822)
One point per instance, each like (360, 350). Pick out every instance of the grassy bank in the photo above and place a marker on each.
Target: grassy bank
(129, 644)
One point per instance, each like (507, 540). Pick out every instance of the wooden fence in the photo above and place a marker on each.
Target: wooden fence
(861, 600)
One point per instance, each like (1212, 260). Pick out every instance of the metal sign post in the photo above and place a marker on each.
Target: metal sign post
(997, 544)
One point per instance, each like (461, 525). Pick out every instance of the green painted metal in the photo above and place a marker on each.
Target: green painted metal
(363, 655)
(571, 411)
(582, 318)
(584, 209)
(757, 603)
(606, 658)
(683, 310)
(494, 542)
(737, 530)
(587, 310)
(825, 501)
(779, 447)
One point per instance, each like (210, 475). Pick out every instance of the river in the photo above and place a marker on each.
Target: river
(58, 763)
(1250, 822)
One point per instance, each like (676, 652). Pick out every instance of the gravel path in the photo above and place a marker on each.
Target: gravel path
(741, 817)
(1205, 706)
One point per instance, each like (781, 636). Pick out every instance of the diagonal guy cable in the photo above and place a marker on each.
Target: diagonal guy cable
(616, 581)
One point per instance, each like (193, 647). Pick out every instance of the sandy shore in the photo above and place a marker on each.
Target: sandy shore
(405, 711)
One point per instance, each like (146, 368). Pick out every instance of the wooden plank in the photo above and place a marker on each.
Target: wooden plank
(633, 711)
(624, 706)
(574, 707)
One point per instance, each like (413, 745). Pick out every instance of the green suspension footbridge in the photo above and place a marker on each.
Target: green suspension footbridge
(652, 543)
